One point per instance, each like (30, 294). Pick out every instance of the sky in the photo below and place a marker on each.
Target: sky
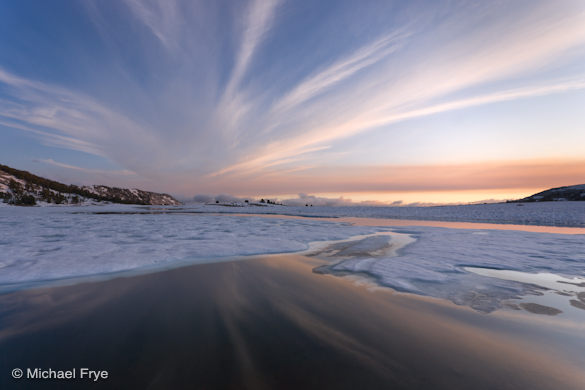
(371, 101)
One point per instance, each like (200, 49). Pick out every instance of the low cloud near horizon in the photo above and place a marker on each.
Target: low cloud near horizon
(313, 200)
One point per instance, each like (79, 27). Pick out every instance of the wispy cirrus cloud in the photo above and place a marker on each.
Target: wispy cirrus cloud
(57, 140)
(284, 152)
(222, 94)
(50, 161)
(340, 70)
(257, 21)
(235, 103)
(162, 17)
(532, 43)
(69, 119)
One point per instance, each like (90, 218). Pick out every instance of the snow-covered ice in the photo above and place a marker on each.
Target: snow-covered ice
(47, 243)
(436, 264)
(43, 244)
(538, 213)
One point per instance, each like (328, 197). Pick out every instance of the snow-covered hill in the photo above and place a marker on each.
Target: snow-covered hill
(25, 189)
(133, 195)
(576, 192)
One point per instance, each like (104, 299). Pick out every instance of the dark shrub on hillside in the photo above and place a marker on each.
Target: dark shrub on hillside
(26, 200)
(22, 200)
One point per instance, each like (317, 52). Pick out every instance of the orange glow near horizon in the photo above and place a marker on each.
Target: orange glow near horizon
(456, 183)
(423, 197)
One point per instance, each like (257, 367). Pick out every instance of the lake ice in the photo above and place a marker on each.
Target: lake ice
(43, 244)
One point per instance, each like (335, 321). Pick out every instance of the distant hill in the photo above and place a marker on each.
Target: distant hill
(576, 192)
(25, 189)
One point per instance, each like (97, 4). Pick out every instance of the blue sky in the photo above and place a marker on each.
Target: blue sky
(444, 100)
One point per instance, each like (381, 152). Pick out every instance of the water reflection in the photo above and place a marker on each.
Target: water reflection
(272, 323)
(558, 295)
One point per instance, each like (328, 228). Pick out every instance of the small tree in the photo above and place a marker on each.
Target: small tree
(27, 200)
(15, 186)
(46, 195)
(5, 196)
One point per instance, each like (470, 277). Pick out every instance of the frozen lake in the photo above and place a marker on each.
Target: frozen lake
(48, 245)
